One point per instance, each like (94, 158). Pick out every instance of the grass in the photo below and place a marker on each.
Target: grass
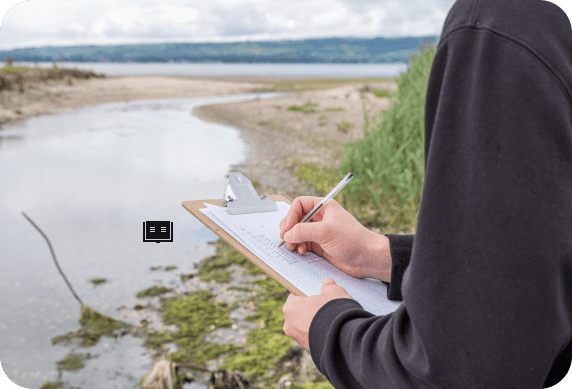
(14, 69)
(304, 84)
(308, 107)
(322, 120)
(19, 76)
(344, 126)
(382, 93)
(388, 162)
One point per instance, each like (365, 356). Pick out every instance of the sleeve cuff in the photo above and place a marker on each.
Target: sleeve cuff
(317, 336)
(400, 247)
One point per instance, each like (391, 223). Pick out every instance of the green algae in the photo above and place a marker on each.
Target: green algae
(154, 291)
(264, 358)
(94, 325)
(52, 385)
(98, 281)
(218, 275)
(193, 316)
(73, 361)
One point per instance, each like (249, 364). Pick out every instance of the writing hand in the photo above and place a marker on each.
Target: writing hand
(336, 235)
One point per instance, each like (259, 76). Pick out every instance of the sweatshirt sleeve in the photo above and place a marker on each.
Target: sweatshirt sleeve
(400, 247)
(486, 295)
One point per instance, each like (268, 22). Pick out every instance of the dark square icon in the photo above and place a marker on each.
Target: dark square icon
(157, 231)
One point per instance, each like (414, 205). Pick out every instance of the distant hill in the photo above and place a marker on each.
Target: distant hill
(330, 50)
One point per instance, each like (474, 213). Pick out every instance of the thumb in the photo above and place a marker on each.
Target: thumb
(327, 282)
(305, 232)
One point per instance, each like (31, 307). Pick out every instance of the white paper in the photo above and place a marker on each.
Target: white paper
(260, 233)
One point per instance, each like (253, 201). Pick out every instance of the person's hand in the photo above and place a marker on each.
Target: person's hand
(336, 235)
(299, 311)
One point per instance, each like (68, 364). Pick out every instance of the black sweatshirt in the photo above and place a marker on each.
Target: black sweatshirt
(487, 290)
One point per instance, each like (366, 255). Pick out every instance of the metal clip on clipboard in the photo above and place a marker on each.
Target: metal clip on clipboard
(241, 197)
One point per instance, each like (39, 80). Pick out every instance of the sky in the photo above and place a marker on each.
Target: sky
(34, 23)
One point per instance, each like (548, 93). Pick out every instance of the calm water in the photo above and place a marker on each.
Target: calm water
(239, 70)
(89, 179)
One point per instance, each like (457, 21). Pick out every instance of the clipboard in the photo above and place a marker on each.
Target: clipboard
(193, 207)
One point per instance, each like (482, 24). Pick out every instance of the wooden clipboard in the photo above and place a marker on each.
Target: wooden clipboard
(193, 207)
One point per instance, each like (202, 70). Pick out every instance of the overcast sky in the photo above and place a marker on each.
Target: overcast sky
(78, 22)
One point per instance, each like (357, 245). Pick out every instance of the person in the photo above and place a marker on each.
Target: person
(486, 282)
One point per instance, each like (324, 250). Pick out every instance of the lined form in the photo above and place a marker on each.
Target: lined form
(260, 234)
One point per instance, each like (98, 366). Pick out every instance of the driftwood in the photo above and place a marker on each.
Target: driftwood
(163, 375)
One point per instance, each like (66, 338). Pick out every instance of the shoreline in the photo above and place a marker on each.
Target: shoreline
(283, 133)
(52, 96)
(279, 138)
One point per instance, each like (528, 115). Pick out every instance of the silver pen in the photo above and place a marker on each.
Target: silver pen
(325, 200)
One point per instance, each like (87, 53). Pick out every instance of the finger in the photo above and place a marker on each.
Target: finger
(300, 207)
(327, 283)
(302, 248)
(306, 232)
(291, 246)
(282, 227)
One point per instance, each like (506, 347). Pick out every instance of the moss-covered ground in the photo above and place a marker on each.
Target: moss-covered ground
(267, 353)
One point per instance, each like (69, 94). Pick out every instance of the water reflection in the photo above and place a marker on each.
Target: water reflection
(89, 178)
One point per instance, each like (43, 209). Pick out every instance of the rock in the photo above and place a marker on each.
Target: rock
(285, 381)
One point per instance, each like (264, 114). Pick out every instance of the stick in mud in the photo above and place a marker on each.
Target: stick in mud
(54, 257)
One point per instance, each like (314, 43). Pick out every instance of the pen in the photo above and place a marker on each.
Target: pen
(325, 200)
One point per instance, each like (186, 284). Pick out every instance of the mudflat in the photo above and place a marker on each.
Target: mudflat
(309, 123)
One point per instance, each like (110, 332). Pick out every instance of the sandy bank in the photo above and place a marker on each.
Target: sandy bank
(57, 95)
(300, 127)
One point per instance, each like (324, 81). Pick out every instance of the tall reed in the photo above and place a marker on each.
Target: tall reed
(388, 162)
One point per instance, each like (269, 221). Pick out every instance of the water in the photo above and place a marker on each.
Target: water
(90, 178)
(238, 70)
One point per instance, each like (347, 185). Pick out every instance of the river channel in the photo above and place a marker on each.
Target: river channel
(89, 178)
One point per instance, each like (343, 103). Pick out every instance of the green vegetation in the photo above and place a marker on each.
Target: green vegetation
(193, 316)
(388, 163)
(308, 84)
(308, 107)
(344, 126)
(382, 93)
(14, 69)
(73, 361)
(169, 268)
(224, 257)
(335, 109)
(218, 275)
(267, 345)
(154, 291)
(97, 281)
(12, 77)
(321, 179)
(94, 325)
(322, 120)
(52, 385)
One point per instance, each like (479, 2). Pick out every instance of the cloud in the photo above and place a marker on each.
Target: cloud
(65, 22)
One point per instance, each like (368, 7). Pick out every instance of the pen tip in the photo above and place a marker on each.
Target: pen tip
(281, 243)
